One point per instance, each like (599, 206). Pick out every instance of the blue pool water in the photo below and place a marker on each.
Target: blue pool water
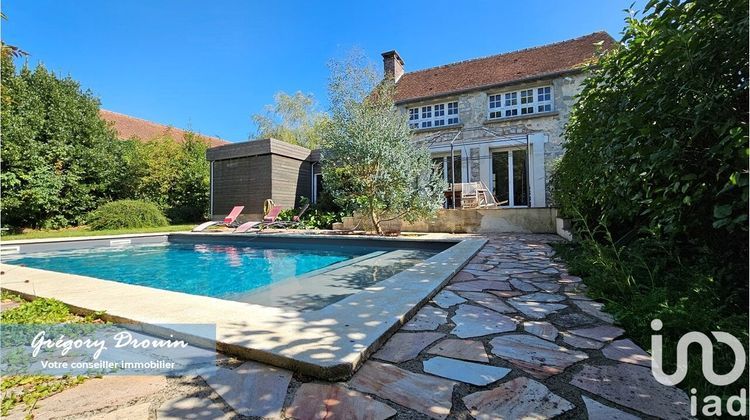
(216, 270)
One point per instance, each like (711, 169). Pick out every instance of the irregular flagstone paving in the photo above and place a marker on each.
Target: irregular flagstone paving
(478, 286)
(580, 342)
(469, 372)
(594, 309)
(541, 329)
(601, 333)
(461, 349)
(634, 387)
(489, 301)
(428, 395)
(253, 389)
(521, 398)
(445, 299)
(189, 408)
(475, 321)
(513, 299)
(538, 357)
(406, 346)
(573, 320)
(333, 401)
(599, 411)
(541, 297)
(536, 310)
(523, 286)
(628, 352)
(428, 318)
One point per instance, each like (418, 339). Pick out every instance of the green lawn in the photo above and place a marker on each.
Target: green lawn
(84, 231)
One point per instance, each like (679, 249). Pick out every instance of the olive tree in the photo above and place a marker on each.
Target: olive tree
(369, 161)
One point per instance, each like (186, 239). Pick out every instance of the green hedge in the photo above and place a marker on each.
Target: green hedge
(655, 175)
(126, 214)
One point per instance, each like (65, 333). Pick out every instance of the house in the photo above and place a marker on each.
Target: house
(496, 120)
(128, 127)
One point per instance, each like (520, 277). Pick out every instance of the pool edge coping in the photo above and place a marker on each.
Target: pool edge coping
(343, 366)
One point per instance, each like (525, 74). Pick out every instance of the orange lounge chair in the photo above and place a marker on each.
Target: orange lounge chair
(228, 221)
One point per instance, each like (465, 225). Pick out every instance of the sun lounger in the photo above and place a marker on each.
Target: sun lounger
(268, 219)
(228, 221)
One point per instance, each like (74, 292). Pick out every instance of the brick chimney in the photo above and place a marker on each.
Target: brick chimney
(393, 65)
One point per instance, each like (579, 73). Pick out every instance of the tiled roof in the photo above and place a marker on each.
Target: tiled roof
(502, 69)
(128, 127)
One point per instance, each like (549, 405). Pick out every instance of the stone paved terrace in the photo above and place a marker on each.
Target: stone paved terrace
(511, 336)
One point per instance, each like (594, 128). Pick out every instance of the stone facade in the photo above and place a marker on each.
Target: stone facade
(477, 136)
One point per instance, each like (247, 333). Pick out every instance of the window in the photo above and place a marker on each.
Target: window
(520, 102)
(452, 113)
(496, 102)
(527, 99)
(413, 118)
(437, 115)
(544, 99)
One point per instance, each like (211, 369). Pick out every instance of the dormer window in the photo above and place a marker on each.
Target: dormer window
(520, 102)
(437, 115)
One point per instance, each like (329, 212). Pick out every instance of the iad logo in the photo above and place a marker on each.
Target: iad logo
(712, 405)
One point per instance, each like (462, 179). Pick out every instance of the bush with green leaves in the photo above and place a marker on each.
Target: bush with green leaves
(126, 214)
(655, 171)
(656, 145)
(317, 216)
(59, 160)
(173, 175)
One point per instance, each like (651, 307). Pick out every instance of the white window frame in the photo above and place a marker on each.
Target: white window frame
(446, 158)
(439, 115)
(511, 184)
(521, 102)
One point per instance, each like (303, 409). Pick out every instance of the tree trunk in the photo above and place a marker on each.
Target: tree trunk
(376, 222)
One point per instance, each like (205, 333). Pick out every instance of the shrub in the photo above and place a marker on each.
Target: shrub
(316, 217)
(186, 214)
(59, 159)
(655, 177)
(126, 214)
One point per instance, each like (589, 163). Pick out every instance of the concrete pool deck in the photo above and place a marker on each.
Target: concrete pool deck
(330, 343)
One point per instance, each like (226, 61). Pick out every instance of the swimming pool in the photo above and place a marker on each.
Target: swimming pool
(324, 322)
(308, 277)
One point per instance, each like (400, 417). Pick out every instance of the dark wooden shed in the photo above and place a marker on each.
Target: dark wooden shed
(250, 172)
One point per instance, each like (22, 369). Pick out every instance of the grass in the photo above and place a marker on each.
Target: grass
(28, 389)
(85, 231)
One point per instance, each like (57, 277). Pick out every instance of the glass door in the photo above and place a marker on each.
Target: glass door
(510, 181)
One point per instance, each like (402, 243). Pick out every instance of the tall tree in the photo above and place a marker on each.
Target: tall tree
(59, 159)
(369, 161)
(293, 119)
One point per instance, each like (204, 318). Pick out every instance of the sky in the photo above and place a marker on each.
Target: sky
(209, 66)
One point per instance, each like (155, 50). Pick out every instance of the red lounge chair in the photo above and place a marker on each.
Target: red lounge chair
(228, 221)
(268, 219)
